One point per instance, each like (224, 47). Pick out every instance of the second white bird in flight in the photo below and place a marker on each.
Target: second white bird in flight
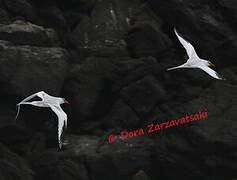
(51, 102)
(194, 61)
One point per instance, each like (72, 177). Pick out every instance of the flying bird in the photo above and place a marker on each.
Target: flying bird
(51, 102)
(194, 61)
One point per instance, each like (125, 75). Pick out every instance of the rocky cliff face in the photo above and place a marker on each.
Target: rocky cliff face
(109, 59)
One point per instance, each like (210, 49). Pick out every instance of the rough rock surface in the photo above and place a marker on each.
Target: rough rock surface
(13, 167)
(25, 33)
(27, 69)
(109, 59)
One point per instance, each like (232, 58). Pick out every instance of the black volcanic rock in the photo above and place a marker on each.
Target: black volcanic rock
(21, 8)
(212, 139)
(55, 165)
(141, 175)
(230, 4)
(123, 159)
(13, 167)
(145, 40)
(121, 115)
(25, 33)
(90, 38)
(4, 17)
(53, 17)
(25, 69)
(84, 6)
(144, 94)
(112, 22)
(96, 83)
(221, 111)
(14, 136)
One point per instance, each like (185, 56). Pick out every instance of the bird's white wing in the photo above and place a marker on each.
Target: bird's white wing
(38, 94)
(188, 47)
(62, 120)
(211, 72)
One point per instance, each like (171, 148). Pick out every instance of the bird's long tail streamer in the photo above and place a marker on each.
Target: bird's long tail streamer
(173, 68)
(18, 111)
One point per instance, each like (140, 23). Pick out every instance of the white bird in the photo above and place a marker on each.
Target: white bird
(194, 61)
(51, 102)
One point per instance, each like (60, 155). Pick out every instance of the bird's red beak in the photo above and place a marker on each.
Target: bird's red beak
(212, 65)
(66, 102)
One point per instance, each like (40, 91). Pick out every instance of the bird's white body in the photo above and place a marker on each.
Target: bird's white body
(194, 61)
(51, 102)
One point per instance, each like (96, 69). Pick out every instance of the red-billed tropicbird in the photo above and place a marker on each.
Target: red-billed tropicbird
(194, 61)
(51, 102)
